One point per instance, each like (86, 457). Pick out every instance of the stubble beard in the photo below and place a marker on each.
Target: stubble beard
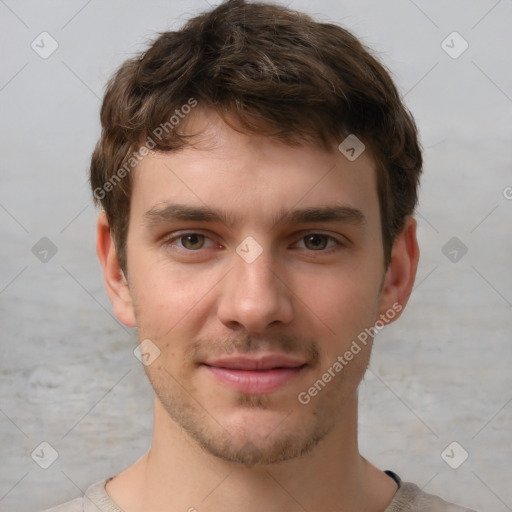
(290, 438)
(247, 446)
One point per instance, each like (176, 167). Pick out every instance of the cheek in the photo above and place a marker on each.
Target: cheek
(168, 297)
(341, 304)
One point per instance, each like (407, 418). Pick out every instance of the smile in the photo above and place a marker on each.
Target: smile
(254, 376)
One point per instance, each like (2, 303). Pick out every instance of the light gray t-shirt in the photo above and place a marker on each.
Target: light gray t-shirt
(408, 498)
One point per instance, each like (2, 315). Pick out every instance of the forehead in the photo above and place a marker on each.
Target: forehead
(246, 173)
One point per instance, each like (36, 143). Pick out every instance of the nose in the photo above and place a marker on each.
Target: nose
(255, 295)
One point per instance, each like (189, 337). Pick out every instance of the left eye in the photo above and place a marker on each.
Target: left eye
(318, 242)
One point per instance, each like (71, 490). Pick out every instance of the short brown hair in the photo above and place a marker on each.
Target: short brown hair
(278, 73)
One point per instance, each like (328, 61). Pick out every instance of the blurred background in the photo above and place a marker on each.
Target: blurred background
(436, 403)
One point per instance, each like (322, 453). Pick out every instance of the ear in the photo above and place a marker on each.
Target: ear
(400, 275)
(115, 281)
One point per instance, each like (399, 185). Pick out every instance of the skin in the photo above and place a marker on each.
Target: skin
(214, 448)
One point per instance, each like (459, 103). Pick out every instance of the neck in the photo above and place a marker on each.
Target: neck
(176, 474)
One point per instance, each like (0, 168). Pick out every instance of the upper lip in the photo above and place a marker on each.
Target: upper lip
(266, 362)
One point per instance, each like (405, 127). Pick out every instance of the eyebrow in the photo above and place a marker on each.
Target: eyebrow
(174, 212)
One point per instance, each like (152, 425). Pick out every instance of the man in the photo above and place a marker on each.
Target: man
(258, 174)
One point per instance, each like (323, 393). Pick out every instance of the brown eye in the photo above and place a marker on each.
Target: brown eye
(316, 242)
(319, 242)
(193, 241)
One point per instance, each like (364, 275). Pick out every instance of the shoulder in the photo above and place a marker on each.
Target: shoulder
(95, 499)
(410, 498)
(413, 499)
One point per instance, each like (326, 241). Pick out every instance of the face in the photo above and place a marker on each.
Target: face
(252, 266)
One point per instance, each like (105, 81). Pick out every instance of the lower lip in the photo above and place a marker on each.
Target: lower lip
(256, 382)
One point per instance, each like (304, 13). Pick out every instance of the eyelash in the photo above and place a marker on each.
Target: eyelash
(338, 244)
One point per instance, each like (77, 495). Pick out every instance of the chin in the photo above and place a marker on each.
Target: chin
(261, 437)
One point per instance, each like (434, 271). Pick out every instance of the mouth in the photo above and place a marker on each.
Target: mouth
(254, 375)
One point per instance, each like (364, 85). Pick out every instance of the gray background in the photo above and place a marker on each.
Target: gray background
(441, 374)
